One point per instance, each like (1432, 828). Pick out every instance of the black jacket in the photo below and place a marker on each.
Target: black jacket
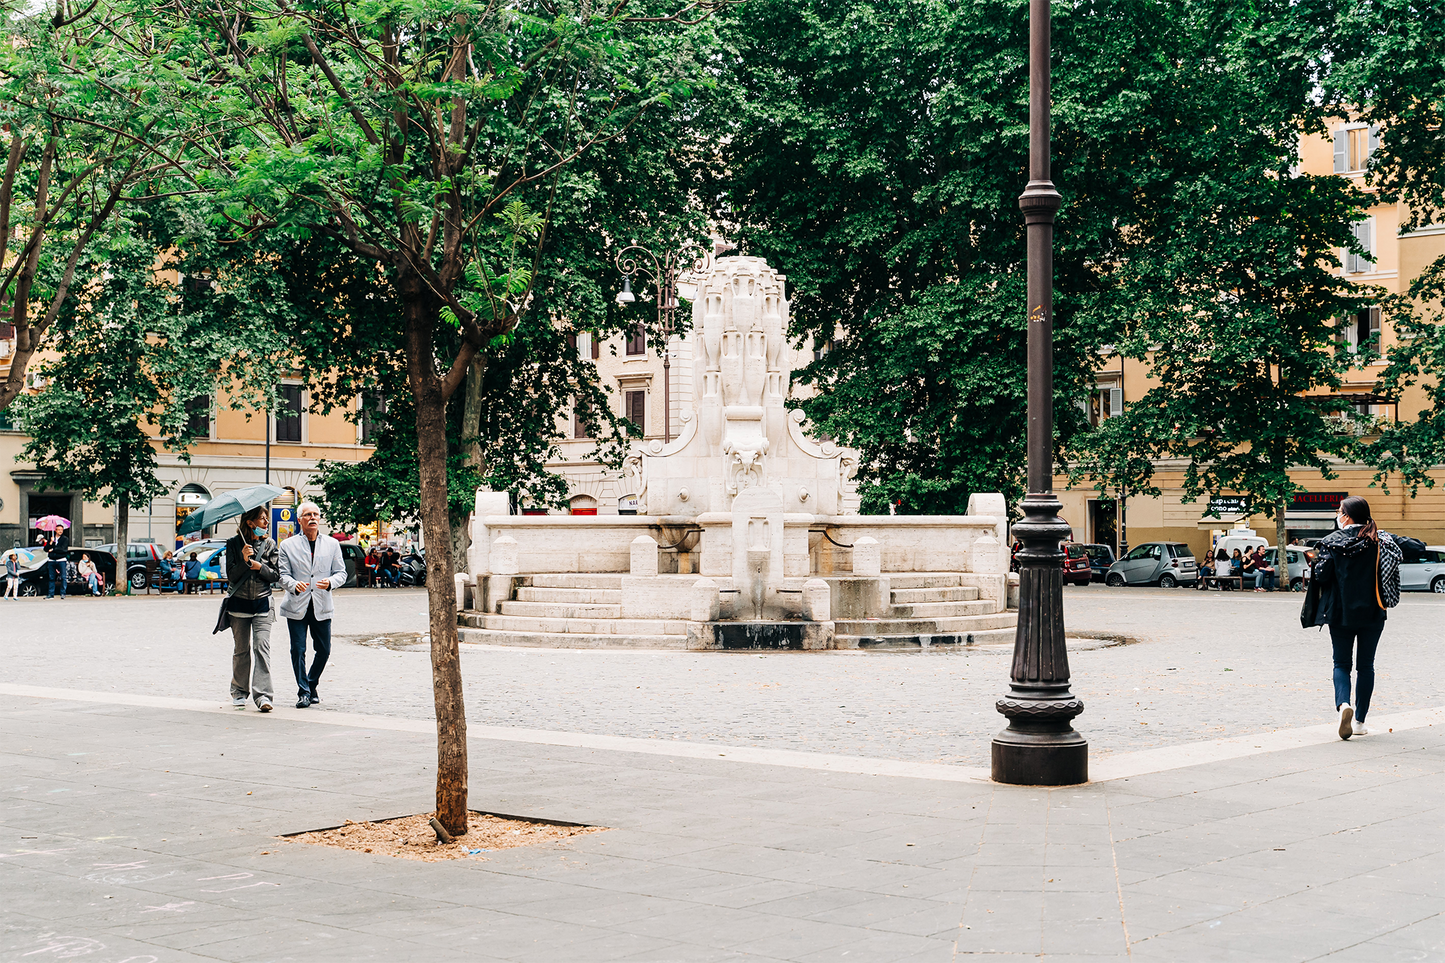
(1347, 568)
(59, 548)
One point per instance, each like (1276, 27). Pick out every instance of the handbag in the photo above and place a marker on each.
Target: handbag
(223, 621)
(1310, 610)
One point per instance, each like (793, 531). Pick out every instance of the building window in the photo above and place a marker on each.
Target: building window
(637, 409)
(288, 416)
(579, 428)
(373, 412)
(1364, 232)
(1353, 147)
(1360, 328)
(1107, 401)
(637, 341)
(198, 424)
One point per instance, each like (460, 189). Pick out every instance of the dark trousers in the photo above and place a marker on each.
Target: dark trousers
(1360, 642)
(58, 573)
(306, 680)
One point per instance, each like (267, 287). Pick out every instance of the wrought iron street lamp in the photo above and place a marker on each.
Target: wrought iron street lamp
(1040, 746)
(633, 261)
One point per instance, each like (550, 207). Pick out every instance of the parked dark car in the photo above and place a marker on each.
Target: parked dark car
(1076, 565)
(38, 581)
(141, 561)
(1100, 558)
(355, 559)
(1165, 564)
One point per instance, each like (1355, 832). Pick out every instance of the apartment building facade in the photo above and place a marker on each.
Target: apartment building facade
(1394, 260)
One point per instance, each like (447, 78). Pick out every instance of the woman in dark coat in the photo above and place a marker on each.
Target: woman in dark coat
(1347, 566)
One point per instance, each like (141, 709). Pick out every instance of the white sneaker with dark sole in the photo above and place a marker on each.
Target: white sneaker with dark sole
(264, 707)
(1347, 718)
(1357, 728)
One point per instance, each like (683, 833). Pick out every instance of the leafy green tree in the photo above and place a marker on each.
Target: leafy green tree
(1381, 63)
(875, 154)
(1231, 289)
(87, 134)
(134, 351)
(402, 132)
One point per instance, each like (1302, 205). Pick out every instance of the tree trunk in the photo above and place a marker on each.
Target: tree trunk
(431, 435)
(122, 547)
(471, 431)
(1281, 558)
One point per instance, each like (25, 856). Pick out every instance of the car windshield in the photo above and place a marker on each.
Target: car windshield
(1075, 551)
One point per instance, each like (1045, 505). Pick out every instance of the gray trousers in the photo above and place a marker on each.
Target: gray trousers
(251, 660)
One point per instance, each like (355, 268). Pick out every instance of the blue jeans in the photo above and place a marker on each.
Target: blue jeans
(57, 569)
(1349, 640)
(320, 641)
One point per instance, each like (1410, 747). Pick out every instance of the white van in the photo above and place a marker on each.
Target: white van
(1243, 539)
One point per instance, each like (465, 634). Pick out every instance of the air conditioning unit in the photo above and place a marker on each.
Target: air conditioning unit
(6, 349)
(35, 382)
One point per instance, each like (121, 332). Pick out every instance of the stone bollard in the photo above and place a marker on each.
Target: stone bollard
(985, 557)
(867, 557)
(704, 600)
(817, 601)
(462, 580)
(504, 556)
(644, 556)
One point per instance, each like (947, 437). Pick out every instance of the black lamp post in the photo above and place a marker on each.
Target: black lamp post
(1040, 746)
(664, 273)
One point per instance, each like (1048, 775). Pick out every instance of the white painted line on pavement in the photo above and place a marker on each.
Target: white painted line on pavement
(1104, 769)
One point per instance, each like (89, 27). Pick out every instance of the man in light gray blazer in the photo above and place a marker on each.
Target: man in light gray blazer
(311, 566)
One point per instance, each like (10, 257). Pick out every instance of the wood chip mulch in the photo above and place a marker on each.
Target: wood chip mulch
(411, 837)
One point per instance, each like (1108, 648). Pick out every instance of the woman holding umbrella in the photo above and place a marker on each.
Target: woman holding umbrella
(251, 564)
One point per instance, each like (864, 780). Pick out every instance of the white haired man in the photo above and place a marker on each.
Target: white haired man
(311, 566)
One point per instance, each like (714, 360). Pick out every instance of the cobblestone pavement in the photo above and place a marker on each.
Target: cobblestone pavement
(1200, 665)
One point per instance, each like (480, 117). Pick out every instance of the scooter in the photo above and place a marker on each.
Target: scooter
(413, 570)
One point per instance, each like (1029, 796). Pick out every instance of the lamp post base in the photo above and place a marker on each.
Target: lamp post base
(1022, 758)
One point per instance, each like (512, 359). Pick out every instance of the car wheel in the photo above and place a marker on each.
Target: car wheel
(1438, 585)
(1114, 579)
(1297, 585)
(29, 589)
(138, 579)
(1167, 581)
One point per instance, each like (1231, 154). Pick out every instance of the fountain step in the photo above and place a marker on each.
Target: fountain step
(956, 625)
(916, 641)
(566, 626)
(570, 596)
(562, 610)
(922, 580)
(962, 593)
(570, 640)
(934, 610)
(569, 581)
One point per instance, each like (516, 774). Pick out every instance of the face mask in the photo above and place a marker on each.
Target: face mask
(259, 532)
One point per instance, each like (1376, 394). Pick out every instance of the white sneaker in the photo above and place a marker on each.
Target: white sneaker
(1358, 728)
(239, 702)
(1347, 719)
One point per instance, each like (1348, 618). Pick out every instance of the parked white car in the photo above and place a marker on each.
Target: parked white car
(1423, 571)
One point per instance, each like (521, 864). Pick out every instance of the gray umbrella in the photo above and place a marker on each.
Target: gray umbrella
(229, 505)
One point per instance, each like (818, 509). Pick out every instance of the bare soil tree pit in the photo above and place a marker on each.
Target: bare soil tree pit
(412, 837)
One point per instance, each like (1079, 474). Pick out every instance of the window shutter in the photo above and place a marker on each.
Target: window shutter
(1374, 142)
(1342, 139)
(596, 344)
(1116, 402)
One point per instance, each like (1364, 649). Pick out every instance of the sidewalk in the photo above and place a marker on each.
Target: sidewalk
(133, 829)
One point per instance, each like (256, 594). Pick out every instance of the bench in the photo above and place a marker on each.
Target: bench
(1234, 582)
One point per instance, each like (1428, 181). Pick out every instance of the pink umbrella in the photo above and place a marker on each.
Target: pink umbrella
(51, 522)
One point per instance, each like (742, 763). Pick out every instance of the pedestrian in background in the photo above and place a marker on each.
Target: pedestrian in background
(311, 566)
(12, 575)
(86, 569)
(59, 564)
(1358, 571)
(251, 558)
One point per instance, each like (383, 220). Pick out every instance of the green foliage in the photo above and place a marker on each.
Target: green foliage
(1231, 288)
